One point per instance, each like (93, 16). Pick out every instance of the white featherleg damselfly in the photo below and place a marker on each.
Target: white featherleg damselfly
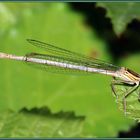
(59, 60)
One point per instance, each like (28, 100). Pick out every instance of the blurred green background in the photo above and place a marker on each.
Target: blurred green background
(34, 103)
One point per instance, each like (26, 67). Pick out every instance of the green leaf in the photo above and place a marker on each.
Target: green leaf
(40, 123)
(132, 101)
(7, 18)
(121, 13)
(23, 86)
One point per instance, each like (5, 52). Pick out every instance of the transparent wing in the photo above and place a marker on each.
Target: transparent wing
(71, 57)
(55, 69)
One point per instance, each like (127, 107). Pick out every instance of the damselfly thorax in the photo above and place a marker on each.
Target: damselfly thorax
(128, 75)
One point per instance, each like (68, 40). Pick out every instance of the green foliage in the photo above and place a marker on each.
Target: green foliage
(121, 14)
(132, 101)
(22, 86)
(40, 123)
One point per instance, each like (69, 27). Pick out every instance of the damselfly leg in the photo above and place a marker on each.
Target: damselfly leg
(126, 93)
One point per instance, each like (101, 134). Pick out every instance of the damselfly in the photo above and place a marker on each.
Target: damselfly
(59, 60)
